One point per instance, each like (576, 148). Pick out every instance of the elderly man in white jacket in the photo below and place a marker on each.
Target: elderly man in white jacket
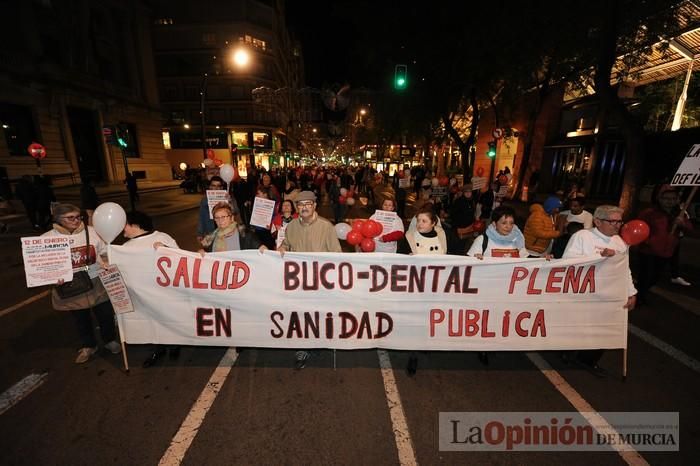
(603, 240)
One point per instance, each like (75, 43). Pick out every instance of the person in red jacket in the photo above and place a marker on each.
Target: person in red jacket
(666, 226)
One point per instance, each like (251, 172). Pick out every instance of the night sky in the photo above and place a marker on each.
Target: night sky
(345, 42)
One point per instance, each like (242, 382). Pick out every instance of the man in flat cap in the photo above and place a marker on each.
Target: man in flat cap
(308, 233)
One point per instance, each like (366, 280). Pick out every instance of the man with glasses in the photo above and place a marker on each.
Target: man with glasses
(604, 240)
(308, 233)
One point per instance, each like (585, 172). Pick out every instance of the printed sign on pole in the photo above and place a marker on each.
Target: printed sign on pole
(688, 174)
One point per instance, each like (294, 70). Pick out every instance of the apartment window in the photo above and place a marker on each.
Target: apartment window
(259, 43)
(17, 123)
(166, 140)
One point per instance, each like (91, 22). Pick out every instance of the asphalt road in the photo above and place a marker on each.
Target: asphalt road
(267, 413)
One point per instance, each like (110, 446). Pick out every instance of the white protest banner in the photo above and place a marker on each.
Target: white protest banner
(214, 196)
(404, 182)
(688, 174)
(353, 301)
(47, 259)
(263, 210)
(118, 293)
(478, 182)
(386, 218)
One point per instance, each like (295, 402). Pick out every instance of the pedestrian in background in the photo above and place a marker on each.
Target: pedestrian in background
(542, 227)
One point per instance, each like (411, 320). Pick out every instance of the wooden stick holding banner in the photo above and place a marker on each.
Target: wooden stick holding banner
(684, 208)
(119, 296)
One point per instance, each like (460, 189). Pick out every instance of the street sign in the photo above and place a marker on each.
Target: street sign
(688, 174)
(497, 133)
(36, 150)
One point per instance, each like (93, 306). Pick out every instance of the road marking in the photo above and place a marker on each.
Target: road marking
(628, 454)
(402, 436)
(661, 345)
(190, 426)
(25, 302)
(20, 390)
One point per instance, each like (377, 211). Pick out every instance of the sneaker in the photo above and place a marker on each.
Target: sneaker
(680, 281)
(300, 359)
(113, 347)
(84, 355)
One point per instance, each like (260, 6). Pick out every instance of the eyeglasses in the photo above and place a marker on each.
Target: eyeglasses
(72, 218)
(305, 204)
(612, 222)
(221, 217)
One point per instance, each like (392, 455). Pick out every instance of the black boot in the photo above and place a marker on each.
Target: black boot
(412, 366)
(483, 357)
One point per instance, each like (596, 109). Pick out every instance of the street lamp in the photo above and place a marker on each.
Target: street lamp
(241, 58)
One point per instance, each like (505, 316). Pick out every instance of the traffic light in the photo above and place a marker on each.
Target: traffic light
(400, 77)
(491, 152)
(122, 135)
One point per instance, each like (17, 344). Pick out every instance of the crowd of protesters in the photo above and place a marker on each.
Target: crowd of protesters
(451, 218)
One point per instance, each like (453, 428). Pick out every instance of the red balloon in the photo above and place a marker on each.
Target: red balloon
(341, 199)
(444, 181)
(480, 172)
(634, 232)
(211, 154)
(368, 245)
(371, 229)
(354, 237)
(479, 225)
(357, 225)
(350, 193)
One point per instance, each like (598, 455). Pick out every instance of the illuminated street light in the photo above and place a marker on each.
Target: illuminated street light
(363, 111)
(186, 126)
(241, 57)
(183, 166)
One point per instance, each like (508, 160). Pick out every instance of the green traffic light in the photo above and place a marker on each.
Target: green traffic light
(122, 142)
(400, 82)
(491, 152)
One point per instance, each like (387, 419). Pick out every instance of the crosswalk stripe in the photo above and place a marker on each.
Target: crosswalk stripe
(20, 390)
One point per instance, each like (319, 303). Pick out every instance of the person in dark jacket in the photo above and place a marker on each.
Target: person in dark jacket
(44, 197)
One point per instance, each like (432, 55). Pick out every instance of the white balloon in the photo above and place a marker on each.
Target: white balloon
(226, 172)
(108, 220)
(342, 230)
(350, 201)
(343, 191)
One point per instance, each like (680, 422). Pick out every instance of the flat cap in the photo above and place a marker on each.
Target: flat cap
(306, 196)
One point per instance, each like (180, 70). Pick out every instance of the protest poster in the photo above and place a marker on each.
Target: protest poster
(263, 210)
(118, 293)
(214, 196)
(47, 259)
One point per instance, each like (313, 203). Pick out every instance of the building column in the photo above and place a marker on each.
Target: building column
(680, 106)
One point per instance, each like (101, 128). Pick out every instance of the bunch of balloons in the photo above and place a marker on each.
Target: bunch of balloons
(634, 232)
(347, 196)
(362, 233)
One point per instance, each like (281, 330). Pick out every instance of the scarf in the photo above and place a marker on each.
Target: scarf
(515, 238)
(217, 238)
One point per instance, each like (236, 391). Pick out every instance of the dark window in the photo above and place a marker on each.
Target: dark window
(18, 126)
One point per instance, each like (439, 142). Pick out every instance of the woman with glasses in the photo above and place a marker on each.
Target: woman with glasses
(229, 234)
(69, 222)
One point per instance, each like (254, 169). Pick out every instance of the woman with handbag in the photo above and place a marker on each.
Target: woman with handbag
(84, 293)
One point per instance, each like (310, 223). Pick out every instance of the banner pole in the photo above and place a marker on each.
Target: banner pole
(684, 207)
(624, 364)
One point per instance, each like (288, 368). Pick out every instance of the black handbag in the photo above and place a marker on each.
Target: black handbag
(81, 283)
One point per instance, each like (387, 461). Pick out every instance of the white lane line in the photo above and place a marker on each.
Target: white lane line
(628, 454)
(402, 436)
(25, 302)
(661, 345)
(190, 426)
(20, 390)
